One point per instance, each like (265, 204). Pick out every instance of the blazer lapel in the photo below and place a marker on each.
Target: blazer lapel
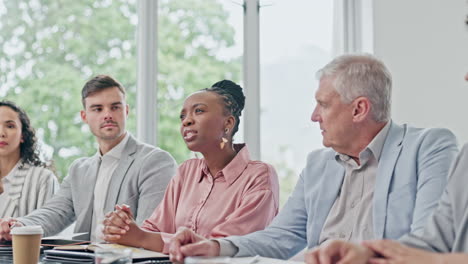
(119, 174)
(88, 195)
(388, 158)
(330, 188)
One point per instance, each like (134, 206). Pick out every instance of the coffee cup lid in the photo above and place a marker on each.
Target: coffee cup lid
(27, 230)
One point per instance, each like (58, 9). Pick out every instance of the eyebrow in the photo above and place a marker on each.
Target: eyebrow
(193, 106)
(198, 104)
(100, 105)
(10, 121)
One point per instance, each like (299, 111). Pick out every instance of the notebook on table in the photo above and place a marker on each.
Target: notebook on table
(6, 248)
(85, 254)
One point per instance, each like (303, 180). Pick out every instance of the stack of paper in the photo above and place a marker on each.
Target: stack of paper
(5, 248)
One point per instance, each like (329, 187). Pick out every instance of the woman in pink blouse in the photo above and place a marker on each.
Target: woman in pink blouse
(224, 193)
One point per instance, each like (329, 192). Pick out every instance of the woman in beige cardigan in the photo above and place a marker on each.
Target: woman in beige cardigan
(25, 182)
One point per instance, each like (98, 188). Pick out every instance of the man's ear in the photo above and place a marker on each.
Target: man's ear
(83, 116)
(361, 108)
(127, 109)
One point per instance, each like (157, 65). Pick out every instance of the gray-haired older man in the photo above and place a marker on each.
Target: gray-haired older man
(374, 179)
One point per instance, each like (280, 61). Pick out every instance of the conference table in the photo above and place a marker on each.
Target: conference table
(249, 260)
(7, 259)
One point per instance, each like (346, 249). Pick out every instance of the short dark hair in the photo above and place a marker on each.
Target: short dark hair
(29, 152)
(233, 99)
(99, 83)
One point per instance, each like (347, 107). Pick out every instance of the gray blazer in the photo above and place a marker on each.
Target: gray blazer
(139, 181)
(447, 229)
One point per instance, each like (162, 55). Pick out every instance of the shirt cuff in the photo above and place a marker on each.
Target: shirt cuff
(226, 248)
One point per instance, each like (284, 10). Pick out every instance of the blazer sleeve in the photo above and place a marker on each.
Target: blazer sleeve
(155, 173)
(285, 236)
(57, 213)
(440, 231)
(437, 153)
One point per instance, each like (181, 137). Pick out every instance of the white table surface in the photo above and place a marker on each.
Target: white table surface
(262, 260)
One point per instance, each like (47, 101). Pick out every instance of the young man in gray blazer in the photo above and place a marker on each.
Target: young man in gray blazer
(375, 178)
(123, 171)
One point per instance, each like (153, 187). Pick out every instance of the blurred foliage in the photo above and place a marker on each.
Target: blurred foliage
(50, 48)
(286, 175)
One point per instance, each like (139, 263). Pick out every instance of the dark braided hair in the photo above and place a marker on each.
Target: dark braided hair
(233, 98)
(28, 148)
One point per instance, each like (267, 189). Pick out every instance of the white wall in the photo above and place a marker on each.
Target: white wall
(425, 45)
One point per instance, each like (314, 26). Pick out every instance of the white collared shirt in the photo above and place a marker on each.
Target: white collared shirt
(109, 163)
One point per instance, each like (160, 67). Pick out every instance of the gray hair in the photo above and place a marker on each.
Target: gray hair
(361, 75)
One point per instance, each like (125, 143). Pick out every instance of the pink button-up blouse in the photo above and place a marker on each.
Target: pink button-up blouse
(240, 199)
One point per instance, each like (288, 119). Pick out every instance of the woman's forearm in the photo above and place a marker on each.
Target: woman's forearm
(151, 241)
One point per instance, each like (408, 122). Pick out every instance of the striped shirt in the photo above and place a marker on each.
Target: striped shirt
(26, 188)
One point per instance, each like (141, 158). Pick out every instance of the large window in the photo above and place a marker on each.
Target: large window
(295, 41)
(49, 49)
(198, 46)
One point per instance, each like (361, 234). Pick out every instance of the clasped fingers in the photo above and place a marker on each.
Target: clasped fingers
(119, 218)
